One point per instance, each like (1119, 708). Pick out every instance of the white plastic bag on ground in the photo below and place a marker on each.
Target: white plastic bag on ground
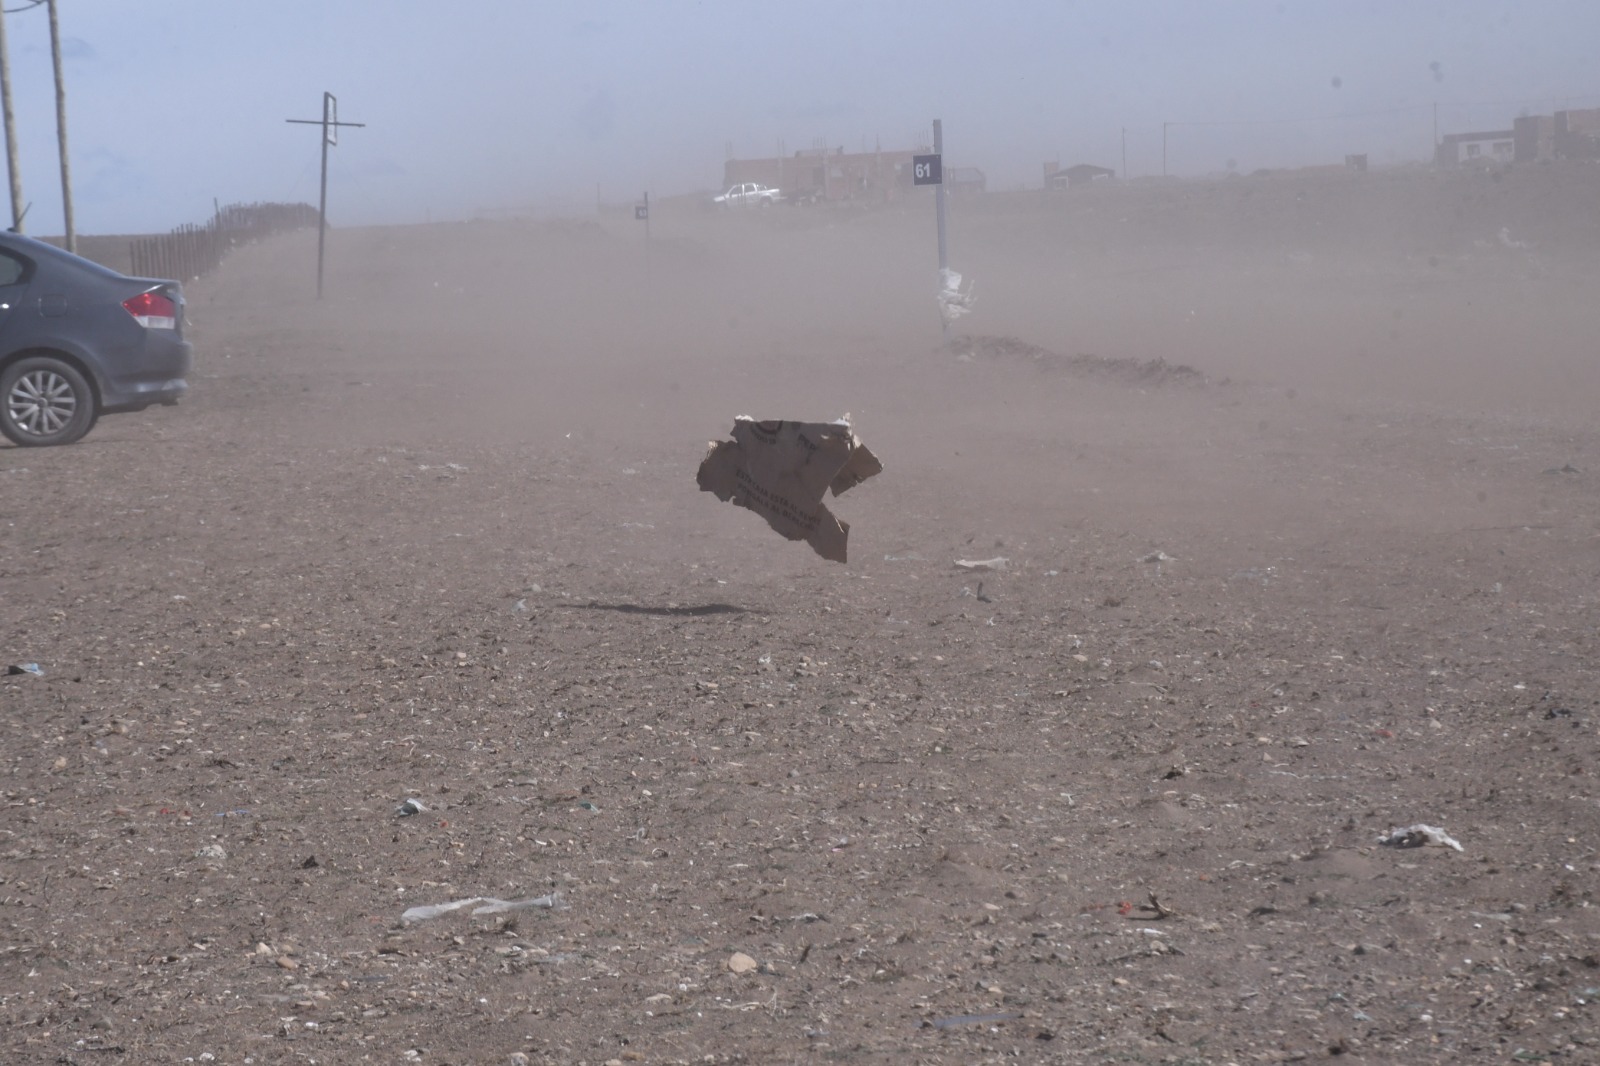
(487, 905)
(955, 295)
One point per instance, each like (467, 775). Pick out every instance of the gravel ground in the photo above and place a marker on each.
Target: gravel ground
(414, 601)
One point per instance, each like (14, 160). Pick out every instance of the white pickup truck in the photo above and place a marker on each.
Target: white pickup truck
(749, 194)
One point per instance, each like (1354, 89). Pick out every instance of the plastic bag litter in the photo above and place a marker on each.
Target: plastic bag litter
(999, 562)
(487, 905)
(955, 295)
(1419, 835)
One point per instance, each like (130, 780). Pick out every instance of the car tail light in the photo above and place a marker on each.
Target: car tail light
(153, 310)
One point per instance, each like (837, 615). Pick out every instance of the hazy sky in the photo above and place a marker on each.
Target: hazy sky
(493, 107)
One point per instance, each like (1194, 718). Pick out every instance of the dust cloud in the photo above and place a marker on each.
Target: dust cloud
(1283, 490)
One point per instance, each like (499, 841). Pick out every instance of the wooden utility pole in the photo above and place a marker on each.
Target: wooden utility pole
(12, 166)
(61, 131)
(330, 136)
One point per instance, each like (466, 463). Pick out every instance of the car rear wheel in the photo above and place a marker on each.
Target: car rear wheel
(45, 401)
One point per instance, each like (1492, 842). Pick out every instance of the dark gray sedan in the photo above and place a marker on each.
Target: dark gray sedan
(78, 340)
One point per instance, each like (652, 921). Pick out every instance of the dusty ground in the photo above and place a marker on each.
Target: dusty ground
(1327, 569)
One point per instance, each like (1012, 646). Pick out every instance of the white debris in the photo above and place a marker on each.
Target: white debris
(485, 905)
(999, 562)
(1419, 835)
(955, 297)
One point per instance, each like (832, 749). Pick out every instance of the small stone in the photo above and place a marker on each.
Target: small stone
(739, 962)
(659, 997)
(518, 1059)
(212, 853)
(284, 962)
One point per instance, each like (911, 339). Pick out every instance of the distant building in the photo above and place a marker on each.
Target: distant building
(1577, 134)
(1458, 149)
(819, 174)
(1563, 135)
(1534, 138)
(1058, 177)
(965, 180)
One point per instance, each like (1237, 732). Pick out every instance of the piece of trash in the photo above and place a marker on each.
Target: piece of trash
(1419, 835)
(955, 295)
(1507, 242)
(970, 1019)
(586, 805)
(1158, 557)
(520, 607)
(410, 807)
(26, 668)
(481, 905)
(999, 562)
(1564, 468)
(781, 470)
(1262, 574)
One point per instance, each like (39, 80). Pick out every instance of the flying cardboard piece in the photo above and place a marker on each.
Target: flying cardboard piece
(781, 470)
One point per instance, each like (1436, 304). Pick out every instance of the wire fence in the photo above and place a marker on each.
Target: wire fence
(193, 249)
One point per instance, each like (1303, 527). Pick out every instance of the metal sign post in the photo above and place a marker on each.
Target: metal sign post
(330, 136)
(929, 170)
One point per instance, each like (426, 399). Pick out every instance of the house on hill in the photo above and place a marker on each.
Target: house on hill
(1058, 177)
(1494, 146)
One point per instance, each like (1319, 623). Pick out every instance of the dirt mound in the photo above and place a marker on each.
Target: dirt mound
(1143, 373)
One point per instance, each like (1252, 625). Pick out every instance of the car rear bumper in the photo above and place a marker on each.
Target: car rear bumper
(154, 372)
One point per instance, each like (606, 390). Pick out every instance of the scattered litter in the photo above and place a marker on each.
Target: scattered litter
(26, 668)
(1419, 835)
(1564, 468)
(781, 470)
(999, 562)
(481, 905)
(970, 1019)
(520, 607)
(1158, 557)
(410, 807)
(212, 853)
(586, 805)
